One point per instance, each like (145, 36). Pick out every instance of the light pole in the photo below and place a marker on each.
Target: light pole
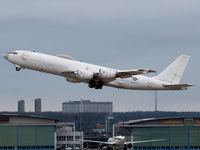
(156, 100)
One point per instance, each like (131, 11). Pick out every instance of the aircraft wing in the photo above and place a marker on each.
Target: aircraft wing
(178, 86)
(119, 74)
(66, 57)
(100, 142)
(145, 141)
(129, 73)
(69, 73)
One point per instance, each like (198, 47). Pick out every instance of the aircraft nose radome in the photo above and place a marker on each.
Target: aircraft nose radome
(5, 56)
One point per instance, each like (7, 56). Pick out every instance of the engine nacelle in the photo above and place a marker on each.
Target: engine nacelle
(84, 75)
(129, 145)
(73, 80)
(107, 74)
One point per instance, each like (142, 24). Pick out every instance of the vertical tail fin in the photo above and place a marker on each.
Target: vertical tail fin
(173, 73)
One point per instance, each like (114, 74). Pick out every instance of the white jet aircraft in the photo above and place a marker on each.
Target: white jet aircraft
(98, 76)
(120, 141)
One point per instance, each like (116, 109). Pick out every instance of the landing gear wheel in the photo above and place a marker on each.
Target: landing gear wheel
(100, 85)
(97, 84)
(101, 146)
(91, 84)
(18, 69)
(129, 145)
(125, 147)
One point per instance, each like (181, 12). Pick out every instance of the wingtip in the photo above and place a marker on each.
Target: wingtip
(144, 70)
(153, 71)
(184, 55)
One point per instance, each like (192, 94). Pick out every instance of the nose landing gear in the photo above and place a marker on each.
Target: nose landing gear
(17, 68)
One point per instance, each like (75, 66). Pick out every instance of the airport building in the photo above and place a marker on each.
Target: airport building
(38, 105)
(27, 133)
(87, 106)
(18, 132)
(109, 122)
(21, 106)
(68, 137)
(174, 133)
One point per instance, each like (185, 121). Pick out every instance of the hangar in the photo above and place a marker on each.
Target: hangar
(27, 133)
(178, 133)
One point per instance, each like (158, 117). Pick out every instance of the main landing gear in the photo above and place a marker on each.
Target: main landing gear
(126, 147)
(97, 84)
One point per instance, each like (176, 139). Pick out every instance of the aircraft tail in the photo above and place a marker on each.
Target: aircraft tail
(173, 73)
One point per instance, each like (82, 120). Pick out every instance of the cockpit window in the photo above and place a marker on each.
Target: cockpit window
(15, 53)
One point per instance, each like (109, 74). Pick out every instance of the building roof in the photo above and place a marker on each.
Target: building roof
(167, 121)
(86, 102)
(16, 119)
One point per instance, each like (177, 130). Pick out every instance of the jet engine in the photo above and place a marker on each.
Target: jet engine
(84, 75)
(104, 74)
(129, 146)
(73, 80)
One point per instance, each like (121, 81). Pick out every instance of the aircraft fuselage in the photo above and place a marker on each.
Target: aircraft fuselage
(76, 71)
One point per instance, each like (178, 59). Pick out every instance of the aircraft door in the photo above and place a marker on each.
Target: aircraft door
(25, 56)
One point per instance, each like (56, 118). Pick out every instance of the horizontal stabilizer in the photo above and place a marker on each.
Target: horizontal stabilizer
(178, 86)
(129, 73)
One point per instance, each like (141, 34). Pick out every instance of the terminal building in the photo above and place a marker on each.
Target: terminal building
(87, 106)
(175, 133)
(19, 132)
(68, 137)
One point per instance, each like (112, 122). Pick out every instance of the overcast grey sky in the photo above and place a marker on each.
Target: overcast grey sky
(122, 34)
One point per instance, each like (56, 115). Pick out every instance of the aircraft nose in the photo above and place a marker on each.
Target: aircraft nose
(6, 56)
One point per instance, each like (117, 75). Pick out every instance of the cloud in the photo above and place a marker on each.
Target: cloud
(114, 33)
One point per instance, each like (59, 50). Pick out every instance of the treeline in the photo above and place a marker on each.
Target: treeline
(89, 121)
